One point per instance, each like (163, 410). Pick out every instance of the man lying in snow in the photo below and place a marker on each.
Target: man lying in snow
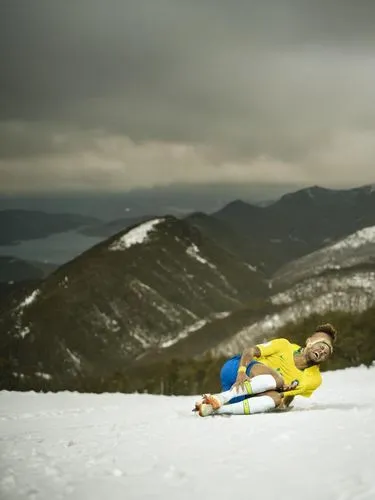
(269, 375)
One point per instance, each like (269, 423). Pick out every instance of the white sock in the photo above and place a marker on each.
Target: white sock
(248, 406)
(258, 384)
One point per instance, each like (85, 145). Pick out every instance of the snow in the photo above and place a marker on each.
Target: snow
(136, 235)
(46, 376)
(221, 315)
(24, 332)
(252, 268)
(140, 336)
(139, 446)
(360, 283)
(29, 299)
(74, 357)
(193, 251)
(356, 240)
(355, 249)
(184, 333)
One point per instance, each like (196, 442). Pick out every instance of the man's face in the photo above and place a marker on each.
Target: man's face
(317, 348)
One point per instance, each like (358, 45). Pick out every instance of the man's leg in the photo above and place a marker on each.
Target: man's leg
(260, 403)
(262, 379)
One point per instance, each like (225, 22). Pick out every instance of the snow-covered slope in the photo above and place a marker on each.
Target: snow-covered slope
(354, 250)
(76, 446)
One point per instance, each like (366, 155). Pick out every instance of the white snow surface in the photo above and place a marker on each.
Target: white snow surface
(135, 236)
(357, 239)
(139, 446)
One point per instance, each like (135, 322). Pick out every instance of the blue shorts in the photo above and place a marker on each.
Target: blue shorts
(228, 374)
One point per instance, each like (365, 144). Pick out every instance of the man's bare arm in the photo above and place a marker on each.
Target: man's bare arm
(247, 356)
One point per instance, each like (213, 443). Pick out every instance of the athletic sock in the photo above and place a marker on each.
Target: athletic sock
(248, 406)
(257, 385)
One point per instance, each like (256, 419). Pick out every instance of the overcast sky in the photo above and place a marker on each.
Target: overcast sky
(118, 94)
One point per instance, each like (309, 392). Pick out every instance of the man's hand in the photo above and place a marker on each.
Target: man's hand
(289, 387)
(239, 383)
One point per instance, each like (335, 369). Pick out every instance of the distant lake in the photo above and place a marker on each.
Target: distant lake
(56, 249)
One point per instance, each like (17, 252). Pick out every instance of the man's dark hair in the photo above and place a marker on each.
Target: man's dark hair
(328, 329)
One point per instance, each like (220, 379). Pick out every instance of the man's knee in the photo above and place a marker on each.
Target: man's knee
(260, 369)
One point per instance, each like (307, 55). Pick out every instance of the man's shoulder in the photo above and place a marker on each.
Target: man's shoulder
(278, 343)
(286, 345)
(282, 341)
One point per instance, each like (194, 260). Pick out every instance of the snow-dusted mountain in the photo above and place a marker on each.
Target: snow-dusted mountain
(340, 277)
(143, 289)
(351, 292)
(354, 250)
(297, 224)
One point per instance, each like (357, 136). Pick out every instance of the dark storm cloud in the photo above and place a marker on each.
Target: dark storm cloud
(243, 83)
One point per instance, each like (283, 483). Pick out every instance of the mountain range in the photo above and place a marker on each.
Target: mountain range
(295, 225)
(264, 236)
(205, 284)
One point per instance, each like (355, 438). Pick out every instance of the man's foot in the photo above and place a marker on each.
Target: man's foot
(198, 403)
(212, 400)
(205, 410)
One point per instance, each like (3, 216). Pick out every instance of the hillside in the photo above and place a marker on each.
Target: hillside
(142, 289)
(340, 277)
(13, 269)
(358, 249)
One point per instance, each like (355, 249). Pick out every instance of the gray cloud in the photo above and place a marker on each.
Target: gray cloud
(123, 94)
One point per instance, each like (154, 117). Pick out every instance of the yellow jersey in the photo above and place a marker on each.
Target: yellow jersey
(279, 355)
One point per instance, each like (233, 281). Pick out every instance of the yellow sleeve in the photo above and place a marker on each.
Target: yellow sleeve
(272, 347)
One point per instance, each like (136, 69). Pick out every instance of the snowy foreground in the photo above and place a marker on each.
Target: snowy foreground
(115, 446)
